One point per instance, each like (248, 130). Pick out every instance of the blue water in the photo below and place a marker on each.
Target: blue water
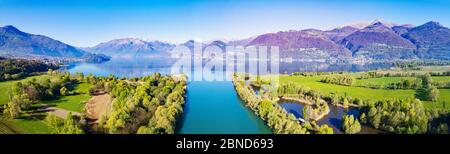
(215, 108)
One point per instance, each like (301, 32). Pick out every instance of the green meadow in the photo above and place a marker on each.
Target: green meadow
(32, 123)
(5, 86)
(355, 91)
(74, 102)
(25, 126)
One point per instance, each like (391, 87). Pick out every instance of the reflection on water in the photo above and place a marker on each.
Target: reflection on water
(124, 67)
(136, 67)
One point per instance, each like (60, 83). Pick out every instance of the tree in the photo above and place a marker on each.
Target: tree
(397, 115)
(325, 129)
(345, 103)
(433, 93)
(63, 91)
(350, 125)
(59, 126)
(426, 80)
(335, 99)
(12, 110)
(264, 108)
(54, 123)
(70, 126)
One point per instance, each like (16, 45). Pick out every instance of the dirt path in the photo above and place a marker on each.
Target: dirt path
(62, 113)
(98, 105)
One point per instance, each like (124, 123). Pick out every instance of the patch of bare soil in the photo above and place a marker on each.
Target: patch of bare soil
(98, 105)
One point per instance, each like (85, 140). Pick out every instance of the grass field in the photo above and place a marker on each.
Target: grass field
(367, 93)
(75, 102)
(6, 86)
(441, 78)
(384, 81)
(33, 125)
(443, 102)
(5, 128)
(28, 126)
(355, 92)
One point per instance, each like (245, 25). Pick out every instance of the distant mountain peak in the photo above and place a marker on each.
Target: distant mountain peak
(378, 23)
(433, 24)
(364, 24)
(383, 22)
(358, 25)
(12, 29)
(128, 40)
(14, 42)
(312, 31)
(130, 47)
(378, 26)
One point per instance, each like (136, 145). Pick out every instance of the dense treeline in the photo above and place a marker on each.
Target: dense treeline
(341, 79)
(441, 84)
(406, 84)
(416, 64)
(294, 90)
(315, 73)
(275, 116)
(379, 74)
(147, 105)
(406, 116)
(12, 69)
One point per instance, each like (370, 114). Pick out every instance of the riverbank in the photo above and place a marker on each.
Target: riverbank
(273, 114)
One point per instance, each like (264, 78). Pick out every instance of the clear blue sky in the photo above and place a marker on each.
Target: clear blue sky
(89, 22)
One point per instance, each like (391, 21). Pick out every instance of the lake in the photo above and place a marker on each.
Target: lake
(211, 107)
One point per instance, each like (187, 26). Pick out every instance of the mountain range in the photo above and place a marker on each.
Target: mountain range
(366, 41)
(14, 42)
(376, 41)
(131, 47)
